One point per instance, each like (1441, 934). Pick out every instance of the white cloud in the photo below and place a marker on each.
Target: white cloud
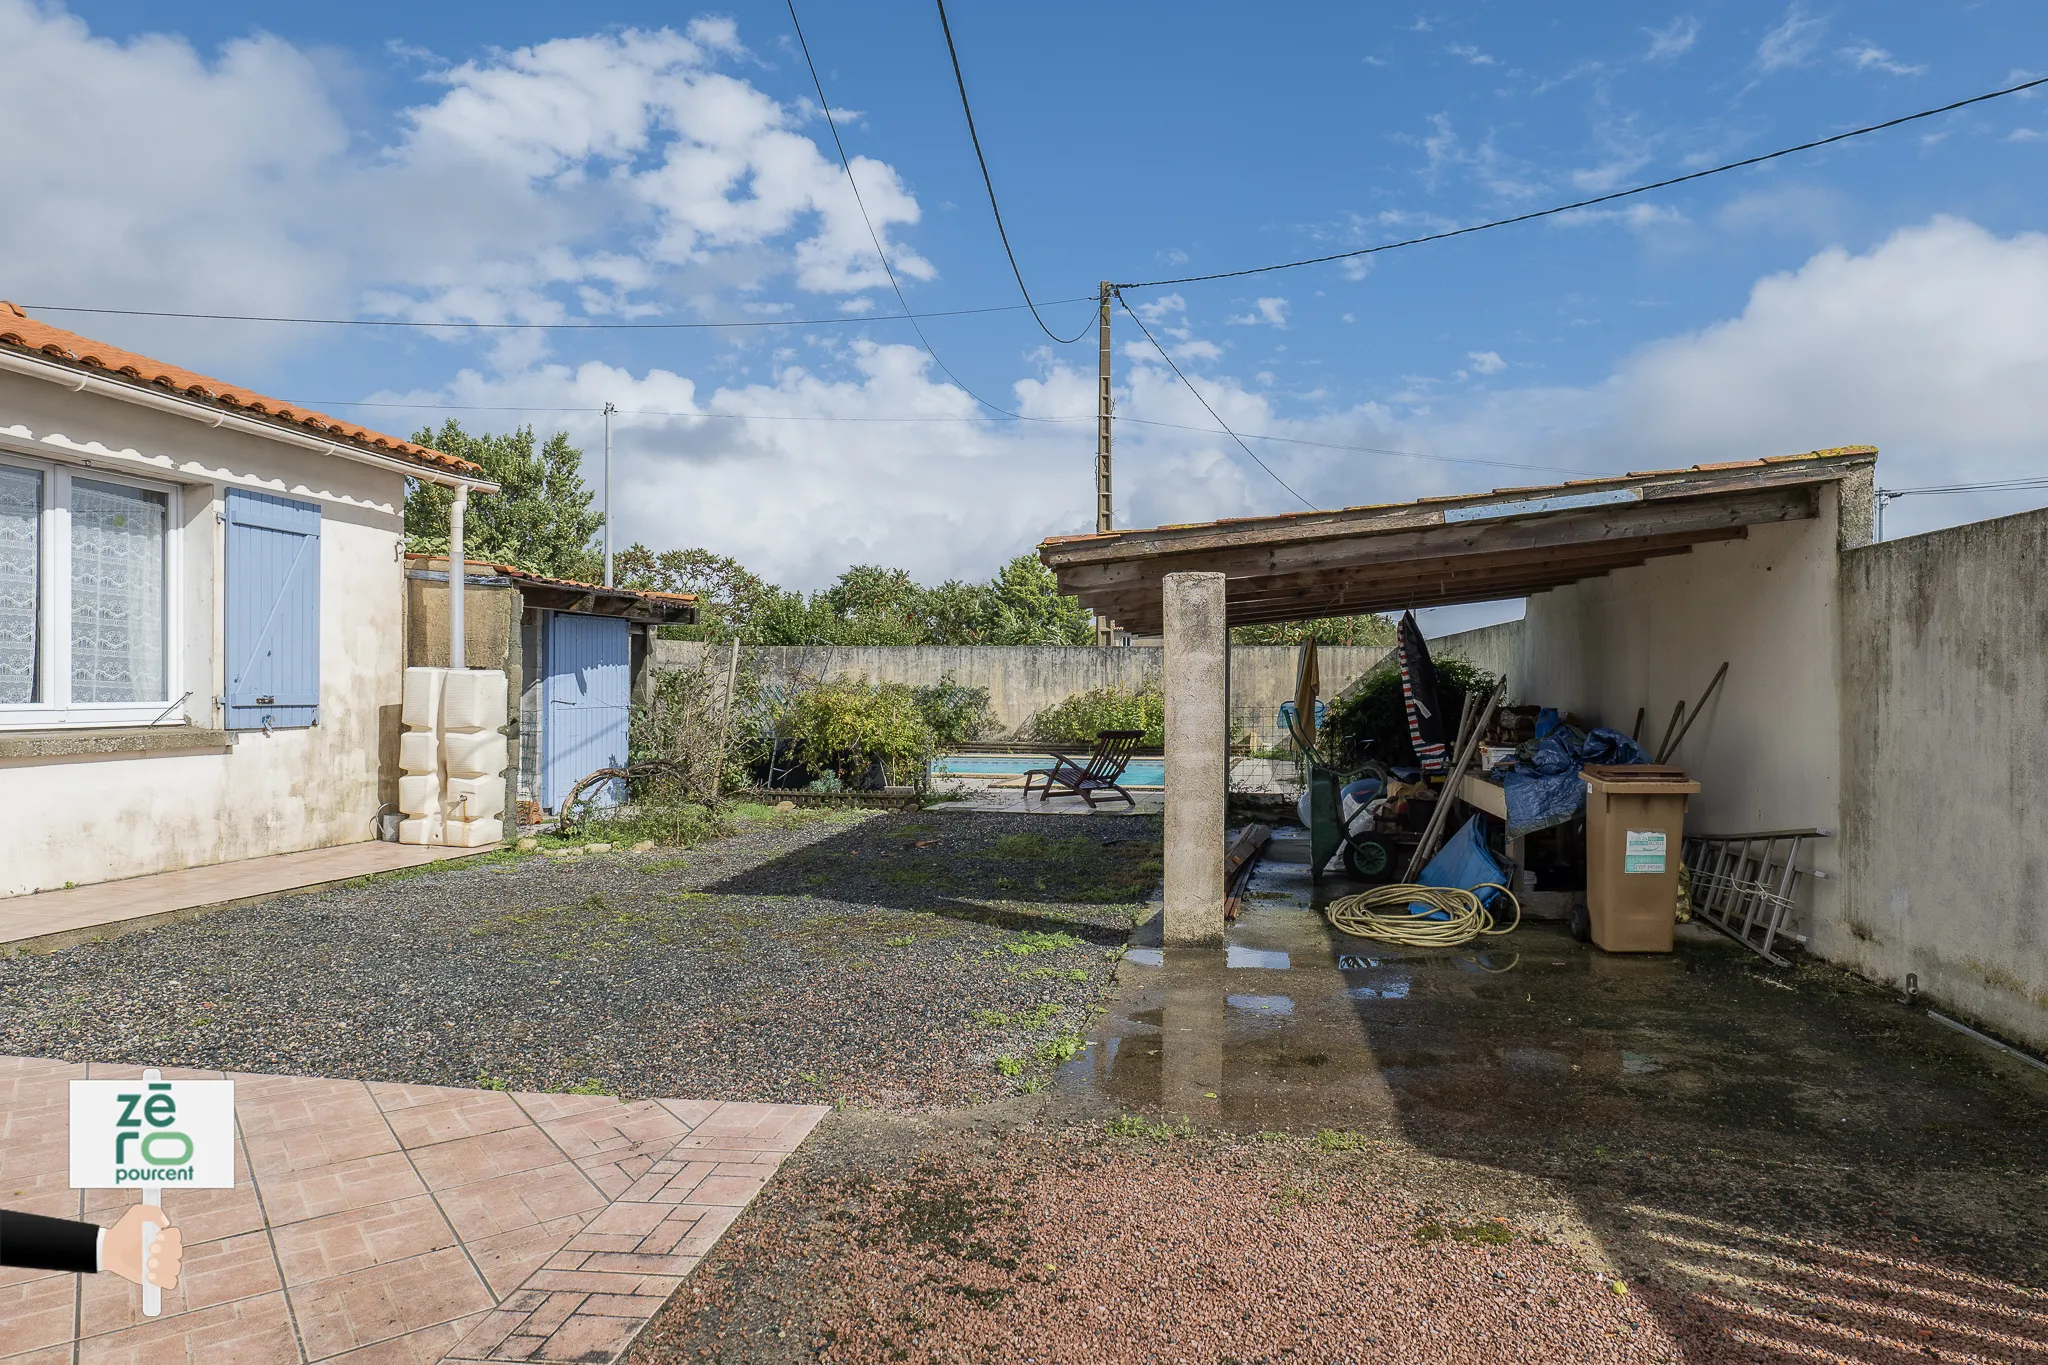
(1639, 216)
(1929, 346)
(1674, 38)
(1265, 313)
(1792, 42)
(1470, 54)
(2025, 135)
(1801, 208)
(1871, 57)
(621, 173)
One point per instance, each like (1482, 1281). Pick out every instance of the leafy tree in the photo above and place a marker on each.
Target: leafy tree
(540, 520)
(1370, 629)
(957, 613)
(867, 605)
(871, 605)
(1028, 608)
(731, 600)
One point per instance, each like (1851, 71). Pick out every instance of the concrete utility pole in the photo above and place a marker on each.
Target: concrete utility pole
(608, 411)
(1105, 629)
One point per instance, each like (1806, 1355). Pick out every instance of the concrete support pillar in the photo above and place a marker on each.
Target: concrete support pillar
(1197, 681)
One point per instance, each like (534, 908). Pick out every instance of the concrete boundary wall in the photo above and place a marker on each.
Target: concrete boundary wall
(1024, 680)
(1495, 649)
(1944, 752)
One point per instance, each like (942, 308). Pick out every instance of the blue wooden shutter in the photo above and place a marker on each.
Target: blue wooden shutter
(273, 612)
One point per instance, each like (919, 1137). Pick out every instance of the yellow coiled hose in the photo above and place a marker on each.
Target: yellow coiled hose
(1363, 915)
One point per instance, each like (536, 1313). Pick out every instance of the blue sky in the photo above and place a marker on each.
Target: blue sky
(521, 162)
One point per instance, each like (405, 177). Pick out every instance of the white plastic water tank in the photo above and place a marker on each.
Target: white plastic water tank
(474, 798)
(419, 751)
(473, 699)
(424, 830)
(423, 691)
(419, 794)
(473, 753)
(472, 833)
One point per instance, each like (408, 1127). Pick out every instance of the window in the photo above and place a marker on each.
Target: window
(21, 525)
(86, 595)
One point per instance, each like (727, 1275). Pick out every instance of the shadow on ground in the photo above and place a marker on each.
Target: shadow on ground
(1782, 1163)
(1013, 872)
(1307, 1147)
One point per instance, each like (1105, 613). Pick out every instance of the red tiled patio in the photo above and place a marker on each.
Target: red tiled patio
(394, 1225)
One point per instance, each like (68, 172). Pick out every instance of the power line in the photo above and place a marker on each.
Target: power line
(995, 208)
(324, 403)
(1211, 411)
(662, 412)
(1599, 199)
(546, 326)
(874, 236)
(1989, 486)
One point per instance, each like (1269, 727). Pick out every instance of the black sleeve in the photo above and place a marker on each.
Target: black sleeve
(30, 1241)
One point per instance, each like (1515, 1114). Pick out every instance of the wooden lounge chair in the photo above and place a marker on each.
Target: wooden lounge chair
(1112, 755)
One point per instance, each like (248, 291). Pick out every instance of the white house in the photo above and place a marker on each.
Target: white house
(201, 601)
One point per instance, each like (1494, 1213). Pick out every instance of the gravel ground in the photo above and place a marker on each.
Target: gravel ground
(996, 1238)
(1072, 1245)
(903, 960)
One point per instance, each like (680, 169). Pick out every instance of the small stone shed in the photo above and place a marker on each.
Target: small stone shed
(576, 656)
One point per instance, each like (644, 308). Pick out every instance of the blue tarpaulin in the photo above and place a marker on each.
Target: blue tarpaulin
(1544, 789)
(1463, 861)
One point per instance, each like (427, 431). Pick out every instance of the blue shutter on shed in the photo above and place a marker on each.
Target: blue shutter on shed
(273, 612)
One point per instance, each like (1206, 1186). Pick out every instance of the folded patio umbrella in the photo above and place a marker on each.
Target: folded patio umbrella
(1308, 681)
(1419, 695)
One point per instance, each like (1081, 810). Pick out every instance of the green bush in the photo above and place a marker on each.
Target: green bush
(1371, 720)
(1078, 719)
(956, 712)
(846, 725)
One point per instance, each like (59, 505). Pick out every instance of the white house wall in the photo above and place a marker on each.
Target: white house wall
(1766, 751)
(91, 817)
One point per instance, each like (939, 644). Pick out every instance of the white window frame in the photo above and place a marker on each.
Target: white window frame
(53, 626)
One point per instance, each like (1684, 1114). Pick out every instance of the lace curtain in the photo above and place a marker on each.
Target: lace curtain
(21, 511)
(117, 592)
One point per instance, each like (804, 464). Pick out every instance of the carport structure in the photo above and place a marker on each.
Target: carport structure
(1761, 536)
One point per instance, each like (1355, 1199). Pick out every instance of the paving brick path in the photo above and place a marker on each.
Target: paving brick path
(394, 1224)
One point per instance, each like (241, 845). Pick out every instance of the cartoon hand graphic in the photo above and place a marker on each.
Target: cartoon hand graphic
(122, 1252)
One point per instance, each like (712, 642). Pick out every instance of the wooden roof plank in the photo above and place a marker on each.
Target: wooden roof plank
(1589, 527)
(1300, 528)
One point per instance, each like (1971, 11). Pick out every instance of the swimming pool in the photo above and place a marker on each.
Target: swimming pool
(1142, 772)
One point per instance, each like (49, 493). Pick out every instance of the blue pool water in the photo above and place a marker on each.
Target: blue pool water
(1142, 772)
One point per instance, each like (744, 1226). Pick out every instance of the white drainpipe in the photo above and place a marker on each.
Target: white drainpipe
(458, 578)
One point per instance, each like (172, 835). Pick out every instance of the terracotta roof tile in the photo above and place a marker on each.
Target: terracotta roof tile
(19, 330)
(514, 571)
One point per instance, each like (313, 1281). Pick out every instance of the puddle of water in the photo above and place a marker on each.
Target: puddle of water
(1235, 956)
(1639, 1064)
(1146, 957)
(1393, 990)
(1538, 1061)
(1261, 1004)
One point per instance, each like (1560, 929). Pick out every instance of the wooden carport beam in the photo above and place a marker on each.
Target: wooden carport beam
(1396, 582)
(1802, 471)
(1666, 522)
